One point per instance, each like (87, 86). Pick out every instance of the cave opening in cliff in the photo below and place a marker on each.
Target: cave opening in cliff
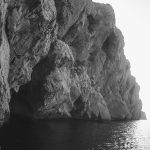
(20, 104)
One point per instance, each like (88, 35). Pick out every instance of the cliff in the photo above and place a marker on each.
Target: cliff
(64, 59)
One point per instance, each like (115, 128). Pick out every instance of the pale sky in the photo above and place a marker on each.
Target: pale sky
(133, 18)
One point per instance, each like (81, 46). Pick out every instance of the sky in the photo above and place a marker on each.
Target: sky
(133, 18)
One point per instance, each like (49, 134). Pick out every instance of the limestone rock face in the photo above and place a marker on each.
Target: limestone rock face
(64, 59)
(4, 66)
(30, 28)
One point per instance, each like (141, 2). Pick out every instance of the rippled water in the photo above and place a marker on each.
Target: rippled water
(21, 134)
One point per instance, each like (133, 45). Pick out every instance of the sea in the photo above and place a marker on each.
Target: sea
(23, 134)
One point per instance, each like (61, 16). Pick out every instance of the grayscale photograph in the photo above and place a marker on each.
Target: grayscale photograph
(74, 75)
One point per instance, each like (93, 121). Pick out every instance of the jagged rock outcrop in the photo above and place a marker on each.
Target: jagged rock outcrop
(64, 59)
(143, 116)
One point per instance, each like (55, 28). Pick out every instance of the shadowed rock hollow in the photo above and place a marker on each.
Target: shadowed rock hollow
(64, 59)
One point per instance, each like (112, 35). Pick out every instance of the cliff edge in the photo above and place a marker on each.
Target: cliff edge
(64, 59)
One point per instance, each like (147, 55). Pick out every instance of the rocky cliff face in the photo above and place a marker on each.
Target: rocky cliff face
(64, 59)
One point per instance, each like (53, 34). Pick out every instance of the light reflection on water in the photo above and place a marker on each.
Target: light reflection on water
(133, 135)
(75, 135)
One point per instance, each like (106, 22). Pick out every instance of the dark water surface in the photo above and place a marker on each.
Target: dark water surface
(22, 134)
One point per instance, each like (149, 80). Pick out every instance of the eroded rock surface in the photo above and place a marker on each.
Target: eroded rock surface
(4, 66)
(64, 59)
